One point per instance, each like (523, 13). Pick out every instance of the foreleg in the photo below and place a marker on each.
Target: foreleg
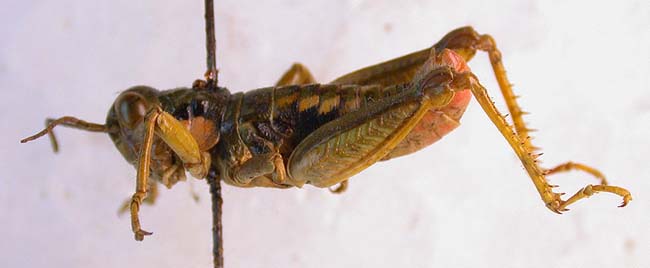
(152, 196)
(180, 140)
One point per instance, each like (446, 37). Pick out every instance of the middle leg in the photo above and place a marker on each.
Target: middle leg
(297, 74)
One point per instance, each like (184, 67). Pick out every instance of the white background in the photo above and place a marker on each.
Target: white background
(581, 66)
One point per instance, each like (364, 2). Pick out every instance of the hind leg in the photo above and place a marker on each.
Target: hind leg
(524, 151)
(352, 142)
(466, 42)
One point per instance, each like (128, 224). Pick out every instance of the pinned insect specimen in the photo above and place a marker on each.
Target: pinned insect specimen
(300, 132)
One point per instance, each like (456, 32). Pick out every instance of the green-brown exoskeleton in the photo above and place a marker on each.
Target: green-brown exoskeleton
(300, 132)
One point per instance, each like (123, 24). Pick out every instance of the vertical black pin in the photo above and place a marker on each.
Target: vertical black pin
(217, 202)
(213, 178)
(210, 45)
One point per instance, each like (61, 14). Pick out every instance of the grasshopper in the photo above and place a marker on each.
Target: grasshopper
(300, 132)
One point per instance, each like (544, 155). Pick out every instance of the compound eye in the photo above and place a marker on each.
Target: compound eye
(131, 109)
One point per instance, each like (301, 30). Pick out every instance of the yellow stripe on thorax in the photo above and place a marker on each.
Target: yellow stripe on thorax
(329, 104)
(307, 103)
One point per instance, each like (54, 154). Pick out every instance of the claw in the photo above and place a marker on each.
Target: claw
(626, 200)
(140, 234)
